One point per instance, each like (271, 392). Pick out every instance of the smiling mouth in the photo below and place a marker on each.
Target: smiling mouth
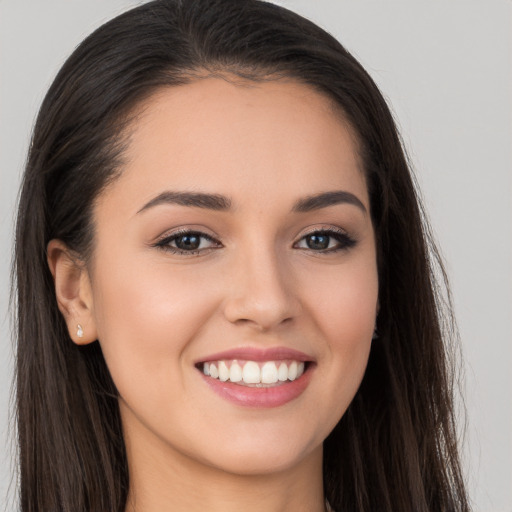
(254, 373)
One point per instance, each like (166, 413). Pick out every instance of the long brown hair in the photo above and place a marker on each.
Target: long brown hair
(395, 449)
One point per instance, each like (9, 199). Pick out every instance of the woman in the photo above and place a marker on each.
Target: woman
(226, 298)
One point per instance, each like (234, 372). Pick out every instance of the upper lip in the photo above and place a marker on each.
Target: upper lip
(258, 354)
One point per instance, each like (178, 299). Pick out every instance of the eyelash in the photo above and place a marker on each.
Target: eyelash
(344, 240)
(165, 242)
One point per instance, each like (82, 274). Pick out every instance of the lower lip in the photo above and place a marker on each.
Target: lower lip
(260, 397)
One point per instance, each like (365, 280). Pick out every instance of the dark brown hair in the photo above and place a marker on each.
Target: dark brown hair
(395, 449)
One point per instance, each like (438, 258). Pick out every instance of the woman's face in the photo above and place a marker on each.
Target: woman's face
(237, 242)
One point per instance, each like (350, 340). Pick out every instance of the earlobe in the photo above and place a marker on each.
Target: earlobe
(73, 292)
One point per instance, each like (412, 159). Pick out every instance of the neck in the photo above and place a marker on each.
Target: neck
(162, 480)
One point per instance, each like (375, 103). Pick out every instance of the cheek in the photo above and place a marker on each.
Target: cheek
(146, 314)
(345, 314)
(344, 301)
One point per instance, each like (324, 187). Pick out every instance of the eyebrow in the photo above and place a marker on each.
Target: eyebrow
(322, 200)
(192, 199)
(219, 202)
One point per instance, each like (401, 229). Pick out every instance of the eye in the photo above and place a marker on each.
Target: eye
(187, 242)
(326, 241)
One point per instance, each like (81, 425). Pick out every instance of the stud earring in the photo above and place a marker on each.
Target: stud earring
(79, 331)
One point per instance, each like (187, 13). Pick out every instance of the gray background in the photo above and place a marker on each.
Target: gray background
(445, 67)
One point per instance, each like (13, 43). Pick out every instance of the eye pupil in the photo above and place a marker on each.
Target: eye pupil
(188, 242)
(318, 241)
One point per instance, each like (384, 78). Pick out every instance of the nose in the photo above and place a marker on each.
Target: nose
(261, 292)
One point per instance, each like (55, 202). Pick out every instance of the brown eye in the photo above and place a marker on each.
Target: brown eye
(188, 242)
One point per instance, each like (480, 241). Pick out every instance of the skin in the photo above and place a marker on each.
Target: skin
(155, 313)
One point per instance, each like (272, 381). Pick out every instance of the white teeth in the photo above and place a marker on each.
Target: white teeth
(235, 372)
(223, 371)
(213, 371)
(251, 373)
(269, 373)
(292, 371)
(282, 373)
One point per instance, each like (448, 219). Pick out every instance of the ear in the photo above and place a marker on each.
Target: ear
(73, 291)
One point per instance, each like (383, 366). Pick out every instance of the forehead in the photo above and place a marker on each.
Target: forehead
(273, 138)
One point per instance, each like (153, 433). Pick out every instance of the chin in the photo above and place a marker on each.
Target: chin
(262, 463)
(262, 454)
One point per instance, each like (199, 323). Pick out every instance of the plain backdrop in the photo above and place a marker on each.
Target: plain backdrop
(445, 67)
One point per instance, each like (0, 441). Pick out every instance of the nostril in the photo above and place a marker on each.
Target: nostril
(262, 302)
